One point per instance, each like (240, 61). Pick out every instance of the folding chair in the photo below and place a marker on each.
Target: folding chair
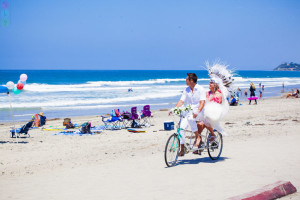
(24, 129)
(146, 115)
(134, 116)
(126, 116)
(113, 122)
(121, 119)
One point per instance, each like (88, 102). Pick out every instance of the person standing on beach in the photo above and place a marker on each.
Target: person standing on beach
(237, 95)
(263, 87)
(252, 92)
(246, 93)
(260, 94)
(282, 86)
(193, 95)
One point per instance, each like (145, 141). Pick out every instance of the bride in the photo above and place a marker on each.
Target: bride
(216, 104)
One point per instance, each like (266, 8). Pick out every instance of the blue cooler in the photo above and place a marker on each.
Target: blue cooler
(169, 125)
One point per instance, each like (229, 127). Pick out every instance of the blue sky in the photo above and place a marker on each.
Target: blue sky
(247, 35)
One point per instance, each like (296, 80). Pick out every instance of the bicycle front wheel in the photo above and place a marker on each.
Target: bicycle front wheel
(172, 150)
(215, 147)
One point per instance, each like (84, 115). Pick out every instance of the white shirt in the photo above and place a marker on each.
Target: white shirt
(193, 98)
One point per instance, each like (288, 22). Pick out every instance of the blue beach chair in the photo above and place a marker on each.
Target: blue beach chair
(24, 129)
(114, 121)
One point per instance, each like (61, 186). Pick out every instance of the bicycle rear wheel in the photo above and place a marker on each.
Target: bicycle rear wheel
(215, 147)
(172, 150)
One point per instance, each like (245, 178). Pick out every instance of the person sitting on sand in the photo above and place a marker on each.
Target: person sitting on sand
(293, 94)
(42, 119)
(193, 95)
(232, 101)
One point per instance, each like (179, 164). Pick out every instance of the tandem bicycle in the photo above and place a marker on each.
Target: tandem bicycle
(212, 144)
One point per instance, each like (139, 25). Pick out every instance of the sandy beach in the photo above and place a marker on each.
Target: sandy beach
(261, 147)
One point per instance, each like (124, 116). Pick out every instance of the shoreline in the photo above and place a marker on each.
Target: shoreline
(94, 116)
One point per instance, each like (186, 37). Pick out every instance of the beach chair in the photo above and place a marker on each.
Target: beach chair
(134, 116)
(122, 122)
(146, 115)
(126, 116)
(114, 121)
(23, 130)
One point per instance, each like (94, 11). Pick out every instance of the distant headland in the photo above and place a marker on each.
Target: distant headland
(288, 67)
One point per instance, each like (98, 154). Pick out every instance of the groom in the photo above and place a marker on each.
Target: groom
(193, 95)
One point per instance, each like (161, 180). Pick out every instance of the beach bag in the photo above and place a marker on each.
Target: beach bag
(66, 121)
(126, 115)
(70, 125)
(135, 124)
(86, 127)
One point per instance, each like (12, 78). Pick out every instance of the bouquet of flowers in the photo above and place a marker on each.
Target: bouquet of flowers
(183, 110)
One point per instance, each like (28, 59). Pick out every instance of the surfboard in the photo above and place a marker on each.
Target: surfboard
(252, 98)
(137, 130)
(36, 120)
(53, 129)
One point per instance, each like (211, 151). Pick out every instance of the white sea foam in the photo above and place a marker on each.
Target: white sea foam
(262, 80)
(84, 101)
(102, 93)
(130, 83)
(73, 88)
(23, 115)
(101, 106)
(98, 85)
(145, 85)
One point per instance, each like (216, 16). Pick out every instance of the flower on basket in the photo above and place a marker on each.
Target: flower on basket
(183, 110)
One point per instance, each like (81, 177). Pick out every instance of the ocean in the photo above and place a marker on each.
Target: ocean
(67, 93)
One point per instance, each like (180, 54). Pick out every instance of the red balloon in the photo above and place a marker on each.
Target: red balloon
(20, 86)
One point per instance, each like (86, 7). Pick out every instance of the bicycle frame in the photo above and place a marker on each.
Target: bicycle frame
(189, 146)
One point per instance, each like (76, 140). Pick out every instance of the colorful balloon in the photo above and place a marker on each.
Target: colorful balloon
(20, 86)
(16, 91)
(10, 85)
(23, 82)
(23, 77)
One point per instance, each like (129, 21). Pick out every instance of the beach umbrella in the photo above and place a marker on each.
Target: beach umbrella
(4, 89)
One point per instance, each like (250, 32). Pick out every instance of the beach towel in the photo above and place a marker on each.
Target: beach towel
(74, 133)
(94, 130)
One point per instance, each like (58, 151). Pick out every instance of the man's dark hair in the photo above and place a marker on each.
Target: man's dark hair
(192, 76)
